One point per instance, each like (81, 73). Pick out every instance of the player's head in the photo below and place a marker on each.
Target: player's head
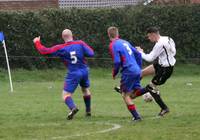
(113, 32)
(153, 34)
(67, 35)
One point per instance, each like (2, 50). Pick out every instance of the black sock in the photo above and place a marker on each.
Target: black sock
(159, 100)
(157, 97)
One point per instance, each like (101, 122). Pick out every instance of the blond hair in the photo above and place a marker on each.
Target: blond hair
(113, 32)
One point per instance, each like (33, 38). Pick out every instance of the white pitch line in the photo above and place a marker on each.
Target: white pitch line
(115, 127)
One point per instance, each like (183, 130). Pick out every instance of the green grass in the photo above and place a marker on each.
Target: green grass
(35, 110)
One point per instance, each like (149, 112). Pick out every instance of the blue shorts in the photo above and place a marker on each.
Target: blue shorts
(75, 78)
(130, 82)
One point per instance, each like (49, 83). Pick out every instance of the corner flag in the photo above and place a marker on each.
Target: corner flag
(4, 45)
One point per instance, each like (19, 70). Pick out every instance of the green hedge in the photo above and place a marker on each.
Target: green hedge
(182, 23)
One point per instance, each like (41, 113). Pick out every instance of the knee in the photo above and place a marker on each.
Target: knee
(85, 91)
(151, 88)
(125, 96)
(66, 95)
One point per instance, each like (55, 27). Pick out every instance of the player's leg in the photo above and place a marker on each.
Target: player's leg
(138, 92)
(137, 89)
(127, 86)
(162, 74)
(152, 87)
(131, 106)
(155, 94)
(71, 83)
(149, 70)
(67, 97)
(87, 100)
(85, 84)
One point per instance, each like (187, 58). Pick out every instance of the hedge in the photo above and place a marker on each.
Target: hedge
(182, 23)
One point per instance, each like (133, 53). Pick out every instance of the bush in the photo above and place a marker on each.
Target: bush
(20, 27)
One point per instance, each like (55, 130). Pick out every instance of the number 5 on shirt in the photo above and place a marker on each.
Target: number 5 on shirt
(73, 57)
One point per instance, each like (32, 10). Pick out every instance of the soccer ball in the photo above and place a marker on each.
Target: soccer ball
(147, 97)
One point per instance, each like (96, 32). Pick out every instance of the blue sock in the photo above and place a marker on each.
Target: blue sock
(133, 111)
(87, 100)
(69, 102)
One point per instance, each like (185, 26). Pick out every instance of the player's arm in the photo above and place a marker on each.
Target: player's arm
(138, 56)
(88, 51)
(116, 59)
(157, 50)
(44, 50)
(115, 69)
(172, 46)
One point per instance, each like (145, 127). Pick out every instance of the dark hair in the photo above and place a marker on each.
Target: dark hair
(152, 30)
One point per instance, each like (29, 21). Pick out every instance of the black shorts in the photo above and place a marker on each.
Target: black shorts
(161, 74)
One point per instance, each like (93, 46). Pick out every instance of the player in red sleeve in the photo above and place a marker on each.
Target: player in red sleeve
(126, 57)
(73, 54)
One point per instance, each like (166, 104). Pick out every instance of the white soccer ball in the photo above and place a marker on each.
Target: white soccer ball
(147, 97)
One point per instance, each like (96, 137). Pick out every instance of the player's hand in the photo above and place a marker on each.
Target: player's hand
(36, 39)
(139, 49)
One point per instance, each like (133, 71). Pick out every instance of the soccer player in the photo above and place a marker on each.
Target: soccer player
(126, 57)
(73, 53)
(164, 50)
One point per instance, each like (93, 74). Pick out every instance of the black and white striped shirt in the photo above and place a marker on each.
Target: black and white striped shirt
(164, 50)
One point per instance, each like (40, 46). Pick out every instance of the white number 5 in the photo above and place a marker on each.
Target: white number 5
(73, 57)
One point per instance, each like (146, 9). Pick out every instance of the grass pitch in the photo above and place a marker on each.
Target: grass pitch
(35, 110)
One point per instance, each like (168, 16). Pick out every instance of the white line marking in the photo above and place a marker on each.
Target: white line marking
(115, 127)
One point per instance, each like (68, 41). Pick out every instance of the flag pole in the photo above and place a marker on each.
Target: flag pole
(9, 73)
